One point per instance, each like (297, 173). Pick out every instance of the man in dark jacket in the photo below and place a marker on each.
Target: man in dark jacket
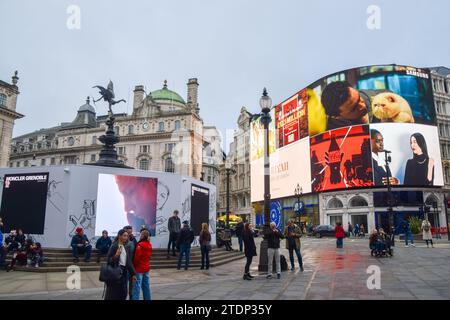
(131, 246)
(103, 244)
(80, 245)
(184, 241)
(239, 230)
(273, 237)
(174, 226)
(292, 234)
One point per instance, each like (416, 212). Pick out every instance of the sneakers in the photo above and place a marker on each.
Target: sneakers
(292, 268)
(406, 246)
(250, 276)
(246, 277)
(269, 276)
(413, 245)
(278, 275)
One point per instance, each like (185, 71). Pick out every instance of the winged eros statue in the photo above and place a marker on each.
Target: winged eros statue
(108, 95)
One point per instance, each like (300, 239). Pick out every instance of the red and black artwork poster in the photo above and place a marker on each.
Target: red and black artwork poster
(341, 159)
(291, 119)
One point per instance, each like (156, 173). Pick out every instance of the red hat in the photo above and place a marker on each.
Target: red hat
(78, 230)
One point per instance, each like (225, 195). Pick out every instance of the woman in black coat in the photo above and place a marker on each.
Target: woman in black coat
(249, 249)
(120, 255)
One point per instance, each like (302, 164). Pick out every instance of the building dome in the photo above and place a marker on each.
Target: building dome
(166, 95)
(87, 106)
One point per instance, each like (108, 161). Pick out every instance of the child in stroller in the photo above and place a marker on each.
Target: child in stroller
(380, 244)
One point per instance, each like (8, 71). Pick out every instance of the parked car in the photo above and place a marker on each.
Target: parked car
(323, 231)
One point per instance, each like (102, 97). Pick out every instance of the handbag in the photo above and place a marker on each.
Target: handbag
(110, 273)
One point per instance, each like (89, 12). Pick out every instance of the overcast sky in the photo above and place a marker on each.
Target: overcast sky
(233, 47)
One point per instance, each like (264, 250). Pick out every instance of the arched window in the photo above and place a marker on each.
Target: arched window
(130, 129)
(2, 99)
(358, 202)
(431, 200)
(335, 203)
(177, 125)
(144, 164)
(169, 166)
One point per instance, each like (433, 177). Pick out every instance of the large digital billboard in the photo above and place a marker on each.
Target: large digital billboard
(24, 201)
(125, 200)
(349, 119)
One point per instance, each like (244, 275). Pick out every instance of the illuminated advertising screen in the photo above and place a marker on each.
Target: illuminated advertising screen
(349, 119)
(125, 200)
(24, 200)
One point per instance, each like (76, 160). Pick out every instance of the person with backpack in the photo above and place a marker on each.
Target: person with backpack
(292, 233)
(426, 232)
(141, 265)
(184, 241)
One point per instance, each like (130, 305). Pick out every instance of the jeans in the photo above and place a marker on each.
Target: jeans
(298, 254)
(408, 235)
(271, 252)
(102, 251)
(82, 250)
(172, 242)
(185, 249)
(205, 256)
(247, 265)
(142, 281)
(339, 242)
(241, 243)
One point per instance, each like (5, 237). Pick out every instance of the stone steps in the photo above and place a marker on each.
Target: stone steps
(58, 260)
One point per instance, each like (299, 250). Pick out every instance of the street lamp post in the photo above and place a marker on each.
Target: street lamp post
(387, 159)
(298, 193)
(228, 170)
(266, 103)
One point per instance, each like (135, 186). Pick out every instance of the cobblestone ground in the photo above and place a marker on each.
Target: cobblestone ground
(330, 273)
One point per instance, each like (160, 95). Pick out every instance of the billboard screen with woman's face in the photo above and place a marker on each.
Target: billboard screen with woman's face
(395, 101)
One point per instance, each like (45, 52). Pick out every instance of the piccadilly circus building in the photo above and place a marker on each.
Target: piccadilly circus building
(359, 146)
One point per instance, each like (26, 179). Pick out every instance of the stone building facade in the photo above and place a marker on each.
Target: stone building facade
(163, 133)
(239, 156)
(8, 114)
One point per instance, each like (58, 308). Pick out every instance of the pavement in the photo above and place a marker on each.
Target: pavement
(330, 273)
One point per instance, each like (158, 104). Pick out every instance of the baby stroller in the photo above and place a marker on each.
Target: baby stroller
(381, 247)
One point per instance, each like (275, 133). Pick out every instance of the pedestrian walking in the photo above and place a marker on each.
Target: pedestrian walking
(362, 231)
(426, 233)
(184, 241)
(239, 230)
(292, 234)
(174, 226)
(356, 230)
(141, 265)
(248, 236)
(408, 234)
(350, 229)
(205, 245)
(274, 236)
(119, 256)
(340, 235)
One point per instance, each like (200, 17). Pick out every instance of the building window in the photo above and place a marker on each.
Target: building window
(43, 162)
(71, 141)
(358, 202)
(144, 149)
(11, 164)
(161, 126)
(70, 159)
(25, 163)
(121, 150)
(130, 129)
(143, 164)
(169, 147)
(169, 165)
(2, 99)
(94, 139)
(52, 161)
(18, 164)
(92, 157)
(335, 203)
(177, 125)
(116, 130)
